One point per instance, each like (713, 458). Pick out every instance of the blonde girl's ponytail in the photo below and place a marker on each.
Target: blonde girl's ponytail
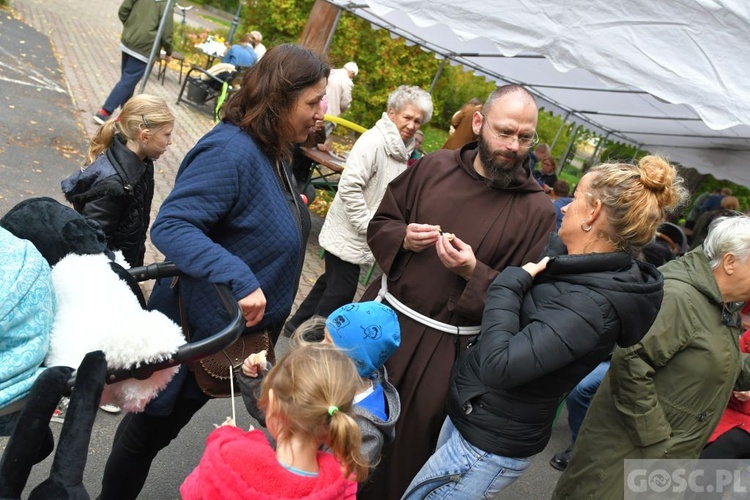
(102, 139)
(345, 439)
(314, 386)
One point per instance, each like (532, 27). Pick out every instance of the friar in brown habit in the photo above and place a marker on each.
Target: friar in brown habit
(444, 230)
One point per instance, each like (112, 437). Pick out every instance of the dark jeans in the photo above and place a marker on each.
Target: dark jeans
(579, 399)
(335, 287)
(138, 439)
(132, 71)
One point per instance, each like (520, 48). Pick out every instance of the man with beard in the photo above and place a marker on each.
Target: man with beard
(444, 230)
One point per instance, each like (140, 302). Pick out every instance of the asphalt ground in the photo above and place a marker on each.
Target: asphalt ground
(54, 73)
(40, 142)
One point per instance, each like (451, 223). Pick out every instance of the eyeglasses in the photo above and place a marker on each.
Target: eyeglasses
(523, 140)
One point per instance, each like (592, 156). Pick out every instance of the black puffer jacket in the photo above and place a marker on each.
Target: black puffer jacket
(539, 341)
(116, 191)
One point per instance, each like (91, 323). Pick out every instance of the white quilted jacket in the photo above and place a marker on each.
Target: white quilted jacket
(377, 157)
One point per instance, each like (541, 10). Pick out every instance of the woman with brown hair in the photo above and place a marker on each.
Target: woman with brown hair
(546, 325)
(235, 218)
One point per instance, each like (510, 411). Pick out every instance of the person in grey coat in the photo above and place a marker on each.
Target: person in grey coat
(369, 333)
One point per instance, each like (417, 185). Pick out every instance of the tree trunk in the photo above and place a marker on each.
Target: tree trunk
(320, 27)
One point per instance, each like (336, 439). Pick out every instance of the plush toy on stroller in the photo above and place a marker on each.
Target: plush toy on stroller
(66, 303)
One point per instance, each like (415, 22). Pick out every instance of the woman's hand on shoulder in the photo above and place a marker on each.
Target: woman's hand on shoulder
(534, 268)
(253, 307)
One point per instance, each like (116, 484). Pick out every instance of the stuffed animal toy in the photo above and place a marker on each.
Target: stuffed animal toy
(54, 229)
(32, 442)
(96, 309)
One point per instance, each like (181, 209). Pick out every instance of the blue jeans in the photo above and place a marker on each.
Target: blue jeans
(132, 70)
(580, 397)
(460, 470)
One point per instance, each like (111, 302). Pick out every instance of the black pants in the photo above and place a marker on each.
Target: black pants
(138, 439)
(336, 287)
(735, 443)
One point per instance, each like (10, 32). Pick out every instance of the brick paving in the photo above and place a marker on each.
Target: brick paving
(85, 37)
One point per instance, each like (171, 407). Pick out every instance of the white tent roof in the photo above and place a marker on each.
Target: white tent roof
(669, 76)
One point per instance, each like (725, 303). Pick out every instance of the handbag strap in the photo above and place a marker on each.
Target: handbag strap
(181, 304)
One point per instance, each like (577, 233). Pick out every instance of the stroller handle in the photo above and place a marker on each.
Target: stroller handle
(192, 351)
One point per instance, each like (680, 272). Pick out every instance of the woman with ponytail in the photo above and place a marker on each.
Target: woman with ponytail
(116, 187)
(307, 398)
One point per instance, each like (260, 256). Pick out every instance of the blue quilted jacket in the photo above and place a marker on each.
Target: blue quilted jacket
(227, 221)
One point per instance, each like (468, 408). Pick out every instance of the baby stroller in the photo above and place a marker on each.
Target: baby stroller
(32, 440)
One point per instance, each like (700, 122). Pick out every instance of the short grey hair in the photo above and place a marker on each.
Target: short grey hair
(406, 95)
(727, 235)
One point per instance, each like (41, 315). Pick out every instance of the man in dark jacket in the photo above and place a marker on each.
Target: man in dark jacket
(140, 21)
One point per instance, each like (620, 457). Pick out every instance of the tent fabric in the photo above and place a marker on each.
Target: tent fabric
(668, 77)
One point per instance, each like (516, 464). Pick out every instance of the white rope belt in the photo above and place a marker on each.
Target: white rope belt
(419, 317)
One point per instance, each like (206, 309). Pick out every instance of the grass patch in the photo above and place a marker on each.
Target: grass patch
(434, 138)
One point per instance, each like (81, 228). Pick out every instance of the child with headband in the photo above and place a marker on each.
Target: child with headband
(367, 332)
(307, 399)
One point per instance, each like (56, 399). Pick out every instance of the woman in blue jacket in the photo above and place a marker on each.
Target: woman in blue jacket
(546, 325)
(235, 218)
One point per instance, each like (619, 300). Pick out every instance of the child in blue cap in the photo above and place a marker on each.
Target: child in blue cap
(368, 332)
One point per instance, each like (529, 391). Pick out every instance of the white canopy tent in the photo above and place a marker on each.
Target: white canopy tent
(667, 76)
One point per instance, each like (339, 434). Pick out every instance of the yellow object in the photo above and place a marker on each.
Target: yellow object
(346, 123)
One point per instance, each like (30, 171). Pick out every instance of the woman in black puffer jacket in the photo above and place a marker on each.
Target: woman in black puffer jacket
(117, 186)
(546, 325)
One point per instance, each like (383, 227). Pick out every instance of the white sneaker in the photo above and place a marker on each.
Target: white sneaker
(111, 408)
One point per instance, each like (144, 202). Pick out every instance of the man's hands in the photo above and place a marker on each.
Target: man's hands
(253, 307)
(420, 236)
(456, 255)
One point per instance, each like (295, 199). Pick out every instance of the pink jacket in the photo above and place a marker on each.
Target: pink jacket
(238, 465)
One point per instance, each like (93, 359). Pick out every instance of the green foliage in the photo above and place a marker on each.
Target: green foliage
(434, 138)
(456, 87)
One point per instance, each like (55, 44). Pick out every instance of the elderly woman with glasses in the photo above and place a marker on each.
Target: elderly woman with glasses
(377, 157)
(664, 395)
(546, 325)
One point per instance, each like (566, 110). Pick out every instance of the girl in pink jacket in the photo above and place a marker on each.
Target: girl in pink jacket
(307, 398)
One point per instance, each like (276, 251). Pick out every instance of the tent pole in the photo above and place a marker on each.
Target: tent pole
(569, 148)
(235, 22)
(333, 30)
(559, 130)
(157, 44)
(437, 75)
(600, 147)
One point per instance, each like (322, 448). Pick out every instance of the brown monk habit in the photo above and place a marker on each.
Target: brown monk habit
(504, 227)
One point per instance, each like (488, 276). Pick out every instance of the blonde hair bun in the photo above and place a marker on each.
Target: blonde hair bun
(660, 177)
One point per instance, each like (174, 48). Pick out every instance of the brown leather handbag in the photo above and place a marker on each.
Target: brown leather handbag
(212, 372)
